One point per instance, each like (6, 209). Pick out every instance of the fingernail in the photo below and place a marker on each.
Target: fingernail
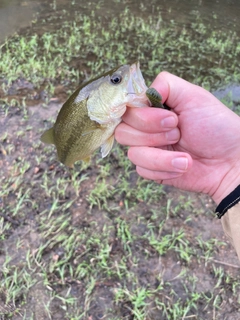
(180, 163)
(169, 122)
(172, 135)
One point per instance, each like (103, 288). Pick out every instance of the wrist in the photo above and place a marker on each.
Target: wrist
(227, 185)
(228, 202)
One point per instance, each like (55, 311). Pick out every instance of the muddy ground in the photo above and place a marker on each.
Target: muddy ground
(43, 204)
(96, 241)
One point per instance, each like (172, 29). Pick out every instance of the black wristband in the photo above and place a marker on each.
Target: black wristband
(228, 202)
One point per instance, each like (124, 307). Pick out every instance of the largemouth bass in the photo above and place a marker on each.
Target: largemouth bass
(88, 118)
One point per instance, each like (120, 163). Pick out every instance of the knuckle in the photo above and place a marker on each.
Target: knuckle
(156, 139)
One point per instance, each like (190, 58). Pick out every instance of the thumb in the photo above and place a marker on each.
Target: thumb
(174, 90)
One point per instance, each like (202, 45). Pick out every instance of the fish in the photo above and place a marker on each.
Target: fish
(89, 117)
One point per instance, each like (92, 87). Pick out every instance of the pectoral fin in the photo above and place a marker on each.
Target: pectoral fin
(107, 146)
(48, 137)
(87, 160)
(95, 126)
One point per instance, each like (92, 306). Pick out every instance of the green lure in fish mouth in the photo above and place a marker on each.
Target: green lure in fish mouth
(156, 99)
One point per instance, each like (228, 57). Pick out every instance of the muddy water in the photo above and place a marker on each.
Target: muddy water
(222, 14)
(15, 14)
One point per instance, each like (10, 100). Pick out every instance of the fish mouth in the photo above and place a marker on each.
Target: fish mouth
(136, 87)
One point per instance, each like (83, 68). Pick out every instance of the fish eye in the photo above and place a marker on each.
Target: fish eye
(116, 78)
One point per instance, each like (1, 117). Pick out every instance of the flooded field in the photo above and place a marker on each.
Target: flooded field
(96, 241)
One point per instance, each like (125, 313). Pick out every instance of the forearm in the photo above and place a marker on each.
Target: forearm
(231, 226)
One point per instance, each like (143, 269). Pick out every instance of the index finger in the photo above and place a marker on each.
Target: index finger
(150, 120)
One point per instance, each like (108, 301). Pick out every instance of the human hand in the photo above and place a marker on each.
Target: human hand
(198, 150)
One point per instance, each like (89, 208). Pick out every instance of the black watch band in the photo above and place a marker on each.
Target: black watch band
(228, 202)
